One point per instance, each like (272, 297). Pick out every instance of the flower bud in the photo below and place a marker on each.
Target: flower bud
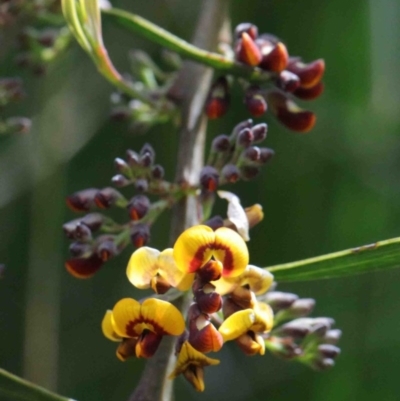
(138, 207)
(251, 154)
(122, 166)
(255, 102)
(230, 172)
(204, 336)
(120, 181)
(245, 138)
(83, 267)
(249, 172)
(80, 249)
(247, 50)
(107, 197)
(221, 143)
(332, 336)
(279, 300)
(207, 299)
(157, 172)
(247, 27)
(106, 248)
(82, 233)
(309, 74)
(309, 93)
(140, 235)
(266, 155)
(288, 81)
(274, 56)
(159, 285)
(211, 271)
(329, 351)
(218, 100)
(142, 185)
(82, 201)
(209, 178)
(259, 132)
(239, 127)
(132, 158)
(146, 159)
(147, 148)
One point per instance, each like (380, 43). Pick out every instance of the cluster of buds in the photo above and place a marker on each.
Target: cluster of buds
(311, 341)
(288, 78)
(11, 91)
(138, 170)
(230, 303)
(148, 78)
(235, 156)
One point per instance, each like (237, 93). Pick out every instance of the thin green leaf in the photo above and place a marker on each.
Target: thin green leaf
(378, 256)
(14, 388)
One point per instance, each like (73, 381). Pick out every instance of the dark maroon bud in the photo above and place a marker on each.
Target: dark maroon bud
(120, 181)
(231, 173)
(138, 207)
(147, 148)
(252, 153)
(309, 74)
(80, 250)
(249, 172)
(142, 185)
(215, 222)
(239, 127)
(140, 235)
(146, 160)
(328, 350)
(274, 56)
(218, 100)
(106, 250)
(132, 158)
(82, 201)
(255, 102)
(107, 197)
(122, 166)
(247, 27)
(209, 178)
(288, 81)
(157, 172)
(245, 138)
(266, 154)
(221, 143)
(83, 267)
(259, 132)
(82, 233)
(309, 93)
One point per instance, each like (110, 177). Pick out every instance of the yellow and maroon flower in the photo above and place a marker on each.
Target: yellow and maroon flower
(191, 364)
(198, 244)
(149, 267)
(140, 326)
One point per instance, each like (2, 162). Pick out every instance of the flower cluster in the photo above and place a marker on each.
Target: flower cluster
(288, 78)
(230, 303)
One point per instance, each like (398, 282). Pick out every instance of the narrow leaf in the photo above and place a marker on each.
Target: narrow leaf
(378, 256)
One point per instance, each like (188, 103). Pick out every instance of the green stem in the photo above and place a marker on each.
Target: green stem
(14, 388)
(168, 40)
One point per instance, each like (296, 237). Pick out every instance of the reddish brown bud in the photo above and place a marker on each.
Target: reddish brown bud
(309, 93)
(83, 268)
(211, 271)
(82, 201)
(247, 50)
(138, 207)
(274, 57)
(159, 285)
(209, 178)
(147, 344)
(231, 173)
(204, 336)
(255, 102)
(107, 197)
(140, 235)
(245, 138)
(309, 74)
(207, 299)
(106, 249)
(221, 143)
(218, 100)
(247, 27)
(289, 114)
(229, 307)
(288, 81)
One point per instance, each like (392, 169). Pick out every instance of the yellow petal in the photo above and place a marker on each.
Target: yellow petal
(142, 267)
(168, 269)
(126, 349)
(126, 315)
(231, 250)
(108, 328)
(193, 247)
(237, 324)
(165, 317)
(264, 317)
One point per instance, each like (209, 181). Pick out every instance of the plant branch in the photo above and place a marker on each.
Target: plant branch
(190, 90)
(193, 52)
(14, 388)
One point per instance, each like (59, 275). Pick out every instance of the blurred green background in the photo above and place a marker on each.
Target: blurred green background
(334, 188)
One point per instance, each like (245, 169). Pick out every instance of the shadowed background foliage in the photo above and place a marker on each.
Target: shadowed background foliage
(334, 188)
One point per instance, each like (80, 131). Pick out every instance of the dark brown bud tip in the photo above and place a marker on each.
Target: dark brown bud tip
(247, 27)
(309, 74)
(310, 93)
(247, 50)
(255, 102)
(106, 249)
(140, 235)
(138, 207)
(209, 178)
(218, 100)
(82, 201)
(289, 114)
(83, 268)
(274, 58)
